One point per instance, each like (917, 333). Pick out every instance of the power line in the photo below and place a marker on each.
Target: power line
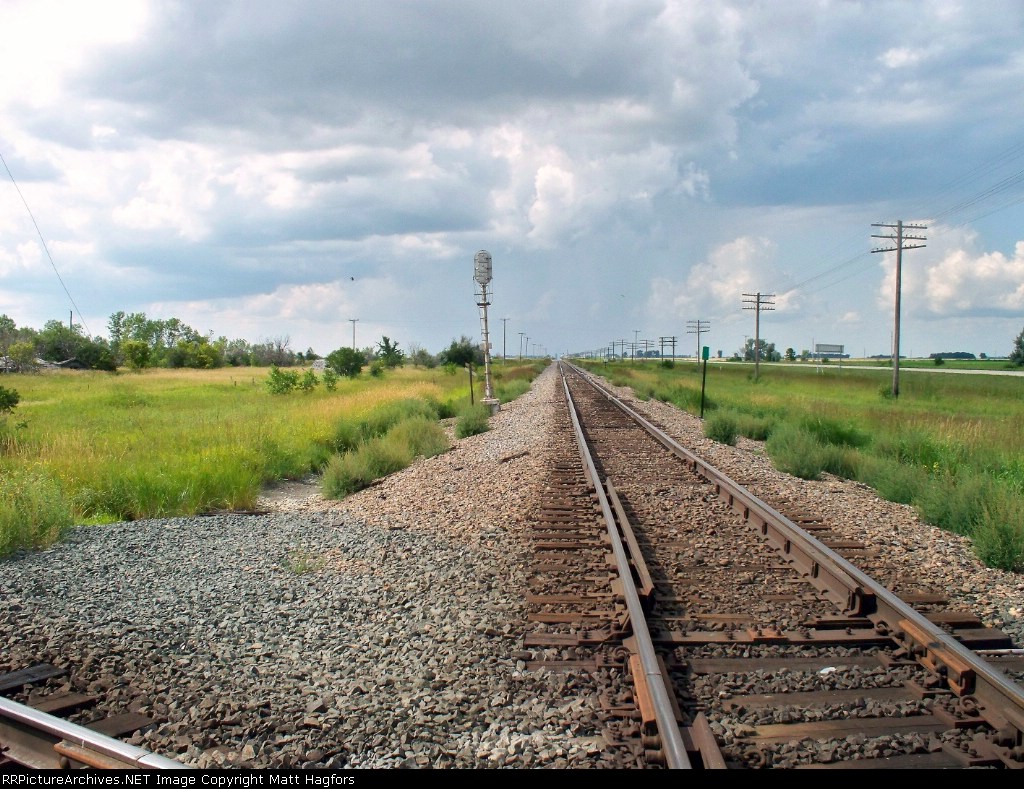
(42, 241)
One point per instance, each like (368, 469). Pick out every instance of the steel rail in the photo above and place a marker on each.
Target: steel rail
(1001, 699)
(671, 737)
(36, 725)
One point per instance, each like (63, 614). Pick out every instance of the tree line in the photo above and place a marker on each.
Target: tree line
(138, 341)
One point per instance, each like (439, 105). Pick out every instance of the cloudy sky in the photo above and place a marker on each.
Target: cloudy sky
(263, 169)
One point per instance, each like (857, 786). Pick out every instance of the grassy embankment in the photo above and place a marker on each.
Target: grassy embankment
(952, 446)
(95, 447)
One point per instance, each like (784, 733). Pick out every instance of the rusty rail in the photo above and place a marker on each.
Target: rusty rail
(657, 683)
(999, 700)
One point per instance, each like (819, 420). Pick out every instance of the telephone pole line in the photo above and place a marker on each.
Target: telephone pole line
(758, 302)
(898, 238)
(698, 327)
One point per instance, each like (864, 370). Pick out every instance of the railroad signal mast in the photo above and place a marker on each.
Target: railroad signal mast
(758, 302)
(482, 277)
(899, 239)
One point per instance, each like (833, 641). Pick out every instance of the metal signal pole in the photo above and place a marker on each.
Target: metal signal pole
(758, 302)
(898, 238)
(504, 322)
(482, 272)
(353, 321)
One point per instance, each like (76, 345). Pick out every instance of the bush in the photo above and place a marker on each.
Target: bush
(330, 379)
(8, 400)
(281, 381)
(473, 420)
(722, 427)
(346, 361)
(308, 381)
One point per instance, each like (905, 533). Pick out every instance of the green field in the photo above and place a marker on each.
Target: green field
(951, 445)
(91, 447)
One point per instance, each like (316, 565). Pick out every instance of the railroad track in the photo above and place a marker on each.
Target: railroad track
(751, 640)
(36, 736)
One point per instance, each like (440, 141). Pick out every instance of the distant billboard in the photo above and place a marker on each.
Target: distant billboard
(823, 348)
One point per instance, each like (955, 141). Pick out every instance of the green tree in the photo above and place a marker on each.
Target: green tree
(462, 352)
(346, 361)
(790, 355)
(308, 381)
(137, 354)
(389, 354)
(23, 354)
(767, 351)
(330, 379)
(1017, 354)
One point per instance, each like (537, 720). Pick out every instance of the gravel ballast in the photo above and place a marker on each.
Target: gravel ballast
(380, 631)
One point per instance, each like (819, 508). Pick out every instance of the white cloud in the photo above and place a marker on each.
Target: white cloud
(962, 283)
(715, 287)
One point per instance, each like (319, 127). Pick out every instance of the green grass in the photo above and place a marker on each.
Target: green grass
(473, 420)
(950, 445)
(84, 447)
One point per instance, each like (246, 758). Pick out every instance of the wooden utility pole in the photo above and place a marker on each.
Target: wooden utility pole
(758, 302)
(898, 238)
(698, 327)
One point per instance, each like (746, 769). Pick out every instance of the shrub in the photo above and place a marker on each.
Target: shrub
(722, 427)
(281, 381)
(308, 381)
(330, 379)
(8, 400)
(346, 361)
(473, 420)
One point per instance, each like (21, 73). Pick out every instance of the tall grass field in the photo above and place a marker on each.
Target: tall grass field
(91, 447)
(952, 446)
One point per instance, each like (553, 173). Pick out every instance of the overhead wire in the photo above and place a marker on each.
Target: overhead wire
(42, 241)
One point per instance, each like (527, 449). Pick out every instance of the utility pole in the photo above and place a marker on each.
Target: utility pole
(636, 335)
(504, 358)
(758, 302)
(521, 335)
(898, 238)
(698, 327)
(353, 321)
(527, 346)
